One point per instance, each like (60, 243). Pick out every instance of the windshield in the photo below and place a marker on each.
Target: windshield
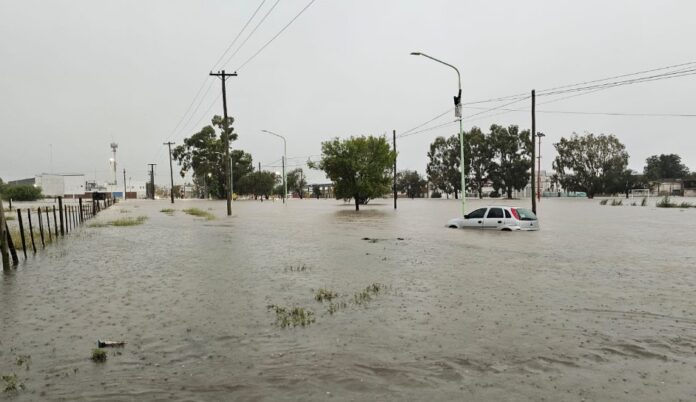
(526, 215)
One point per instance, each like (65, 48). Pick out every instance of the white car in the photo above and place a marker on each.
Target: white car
(498, 218)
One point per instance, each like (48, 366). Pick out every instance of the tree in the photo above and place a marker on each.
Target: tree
(296, 182)
(21, 192)
(480, 157)
(511, 164)
(316, 190)
(443, 169)
(665, 167)
(411, 183)
(590, 163)
(258, 184)
(360, 167)
(204, 153)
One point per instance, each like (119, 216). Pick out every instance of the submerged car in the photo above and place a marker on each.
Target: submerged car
(497, 218)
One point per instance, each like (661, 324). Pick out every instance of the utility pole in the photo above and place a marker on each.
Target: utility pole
(223, 77)
(285, 184)
(171, 171)
(394, 142)
(259, 166)
(125, 189)
(539, 135)
(152, 180)
(533, 149)
(301, 184)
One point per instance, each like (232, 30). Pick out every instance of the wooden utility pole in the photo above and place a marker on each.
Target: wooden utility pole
(125, 190)
(533, 150)
(171, 171)
(152, 180)
(228, 178)
(3, 239)
(394, 142)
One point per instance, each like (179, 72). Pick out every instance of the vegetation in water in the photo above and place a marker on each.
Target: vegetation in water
(325, 294)
(12, 383)
(168, 211)
(666, 203)
(644, 202)
(24, 360)
(292, 317)
(615, 203)
(98, 356)
(199, 213)
(603, 202)
(298, 268)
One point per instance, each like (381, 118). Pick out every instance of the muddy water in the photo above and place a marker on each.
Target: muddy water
(599, 305)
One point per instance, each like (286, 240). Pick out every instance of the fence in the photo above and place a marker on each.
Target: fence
(45, 225)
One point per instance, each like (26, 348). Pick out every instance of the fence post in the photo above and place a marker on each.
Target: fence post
(55, 222)
(48, 224)
(38, 212)
(60, 212)
(82, 216)
(31, 230)
(3, 240)
(21, 232)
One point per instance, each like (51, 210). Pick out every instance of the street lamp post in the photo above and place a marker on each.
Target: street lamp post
(539, 135)
(285, 157)
(458, 114)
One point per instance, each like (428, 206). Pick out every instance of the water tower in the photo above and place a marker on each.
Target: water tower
(112, 162)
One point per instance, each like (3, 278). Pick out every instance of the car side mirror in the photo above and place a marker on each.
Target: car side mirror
(466, 216)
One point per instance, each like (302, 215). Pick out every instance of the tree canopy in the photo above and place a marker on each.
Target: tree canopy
(296, 182)
(443, 169)
(665, 167)
(480, 158)
(511, 149)
(20, 192)
(590, 163)
(411, 183)
(360, 167)
(257, 183)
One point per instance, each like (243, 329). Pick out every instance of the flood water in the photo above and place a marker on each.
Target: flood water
(600, 305)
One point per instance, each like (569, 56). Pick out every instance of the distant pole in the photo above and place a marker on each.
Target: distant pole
(301, 184)
(152, 180)
(171, 171)
(285, 157)
(231, 174)
(394, 142)
(125, 189)
(223, 77)
(539, 135)
(533, 149)
(259, 166)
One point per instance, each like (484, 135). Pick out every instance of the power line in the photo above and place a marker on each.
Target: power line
(599, 113)
(239, 34)
(276, 35)
(251, 33)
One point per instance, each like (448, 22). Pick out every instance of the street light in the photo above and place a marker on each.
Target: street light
(458, 114)
(539, 135)
(285, 157)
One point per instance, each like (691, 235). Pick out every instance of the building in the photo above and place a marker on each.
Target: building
(70, 185)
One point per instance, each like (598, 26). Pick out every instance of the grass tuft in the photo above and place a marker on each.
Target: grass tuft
(644, 202)
(199, 213)
(98, 356)
(325, 294)
(666, 203)
(12, 383)
(127, 221)
(603, 202)
(168, 211)
(615, 203)
(292, 317)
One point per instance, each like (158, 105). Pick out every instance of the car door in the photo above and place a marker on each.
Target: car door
(495, 218)
(475, 218)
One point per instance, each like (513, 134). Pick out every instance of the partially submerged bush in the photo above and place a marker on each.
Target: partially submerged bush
(325, 294)
(644, 202)
(127, 221)
(603, 202)
(168, 211)
(12, 383)
(292, 317)
(615, 203)
(199, 213)
(98, 356)
(666, 203)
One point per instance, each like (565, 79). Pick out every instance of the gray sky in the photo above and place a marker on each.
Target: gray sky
(81, 74)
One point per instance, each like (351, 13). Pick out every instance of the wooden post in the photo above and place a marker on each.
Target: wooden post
(62, 218)
(3, 240)
(48, 225)
(55, 221)
(10, 244)
(82, 214)
(41, 232)
(394, 140)
(21, 232)
(31, 230)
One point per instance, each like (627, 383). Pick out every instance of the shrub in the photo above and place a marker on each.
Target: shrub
(22, 192)
(98, 356)
(615, 203)
(644, 202)
(436, 194)
(603, 202)
(666, 203)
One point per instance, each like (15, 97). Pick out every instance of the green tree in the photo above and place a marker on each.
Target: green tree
(443, 168)
(480, 156)
(296, 182)
(411, 183)
(204, 154)
(590, 163)
(258, 184)
(360, 167)
(665, 167)
(316, 190)
(510, 167)
(21, 192)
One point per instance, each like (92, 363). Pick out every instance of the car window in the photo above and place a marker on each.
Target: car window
(526, 215)
(507, 213)
(495, 213)
(477, 213)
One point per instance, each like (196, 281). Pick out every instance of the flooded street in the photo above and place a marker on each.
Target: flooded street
(599, 305)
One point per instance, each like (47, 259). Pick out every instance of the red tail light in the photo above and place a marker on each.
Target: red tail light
(515, 214)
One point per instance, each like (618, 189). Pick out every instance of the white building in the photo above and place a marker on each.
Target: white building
(61, 185)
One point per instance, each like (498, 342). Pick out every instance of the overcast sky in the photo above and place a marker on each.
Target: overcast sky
(77, 75)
